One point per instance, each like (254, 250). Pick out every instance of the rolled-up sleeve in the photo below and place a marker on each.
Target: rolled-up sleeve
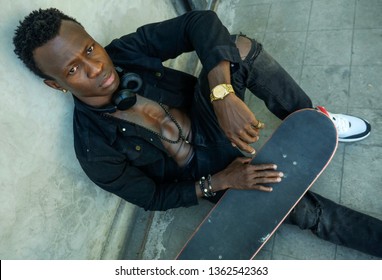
(199, 31)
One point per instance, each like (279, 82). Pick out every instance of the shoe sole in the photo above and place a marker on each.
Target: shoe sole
(344, 140)
(349, 140)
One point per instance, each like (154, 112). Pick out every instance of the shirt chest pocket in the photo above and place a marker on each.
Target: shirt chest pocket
(139, 152)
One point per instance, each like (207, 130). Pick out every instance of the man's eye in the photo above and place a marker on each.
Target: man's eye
(73, 70)
(90, 50)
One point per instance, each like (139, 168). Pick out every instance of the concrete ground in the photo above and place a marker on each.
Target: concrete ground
(333, 48)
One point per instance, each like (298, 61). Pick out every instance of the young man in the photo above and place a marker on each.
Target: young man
(160, 138)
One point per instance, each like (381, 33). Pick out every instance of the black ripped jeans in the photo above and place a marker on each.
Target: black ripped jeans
(265, 78)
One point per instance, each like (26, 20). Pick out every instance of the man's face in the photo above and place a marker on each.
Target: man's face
(79, 64)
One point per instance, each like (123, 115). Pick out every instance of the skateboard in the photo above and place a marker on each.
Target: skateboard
(242, 221)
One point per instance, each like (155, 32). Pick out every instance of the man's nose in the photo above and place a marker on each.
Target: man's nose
(94, 68)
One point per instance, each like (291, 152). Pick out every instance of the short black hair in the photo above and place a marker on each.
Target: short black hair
(35, 30)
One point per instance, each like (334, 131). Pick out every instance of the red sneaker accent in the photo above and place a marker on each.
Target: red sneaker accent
(323, 110)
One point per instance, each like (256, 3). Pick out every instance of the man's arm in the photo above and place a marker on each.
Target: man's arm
(234, 116)
(132, 185)
(203, 32)
(199, 31)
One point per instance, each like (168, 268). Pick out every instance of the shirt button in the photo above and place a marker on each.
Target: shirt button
(123, 129)
(158, 74)
(151, 139)
(138, 148)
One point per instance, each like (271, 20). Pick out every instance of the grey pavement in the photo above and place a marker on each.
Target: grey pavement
(333, 49)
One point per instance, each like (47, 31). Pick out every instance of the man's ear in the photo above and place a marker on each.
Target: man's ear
(53, 84)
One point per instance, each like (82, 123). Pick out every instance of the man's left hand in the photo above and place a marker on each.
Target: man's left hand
(238, 122)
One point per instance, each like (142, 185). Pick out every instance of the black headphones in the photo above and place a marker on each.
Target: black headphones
(125, 97)
(130, 83)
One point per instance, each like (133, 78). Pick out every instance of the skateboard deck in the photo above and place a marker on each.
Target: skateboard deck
(239, 225)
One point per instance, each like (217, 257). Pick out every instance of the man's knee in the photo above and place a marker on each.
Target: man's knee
(244, 45)
(306, 214)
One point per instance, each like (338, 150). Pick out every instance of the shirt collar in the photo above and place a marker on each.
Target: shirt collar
(110, 108)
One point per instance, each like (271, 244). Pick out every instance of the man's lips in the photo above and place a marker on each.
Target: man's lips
(108, 80)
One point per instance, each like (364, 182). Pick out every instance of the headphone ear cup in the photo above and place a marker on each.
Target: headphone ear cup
(124, 99)
(131, 81)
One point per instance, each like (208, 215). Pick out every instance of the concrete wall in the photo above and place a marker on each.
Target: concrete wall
(48, 207)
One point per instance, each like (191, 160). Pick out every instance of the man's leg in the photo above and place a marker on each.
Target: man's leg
(338, 224)
(266, 79)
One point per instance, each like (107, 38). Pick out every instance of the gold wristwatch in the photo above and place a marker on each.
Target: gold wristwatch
(221, 91)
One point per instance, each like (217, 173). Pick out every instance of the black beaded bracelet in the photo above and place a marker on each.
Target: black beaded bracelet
(206, 190)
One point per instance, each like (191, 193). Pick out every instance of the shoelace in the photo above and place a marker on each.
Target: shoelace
(341, 124)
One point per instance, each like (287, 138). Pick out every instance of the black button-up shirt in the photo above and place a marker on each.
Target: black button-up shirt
(126, 159)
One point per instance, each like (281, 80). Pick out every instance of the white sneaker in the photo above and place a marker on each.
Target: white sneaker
(349, 128)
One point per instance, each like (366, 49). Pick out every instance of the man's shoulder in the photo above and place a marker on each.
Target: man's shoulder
(121, 42)
(93, 134)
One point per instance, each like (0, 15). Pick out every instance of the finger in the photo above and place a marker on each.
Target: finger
(248, 135)
(259, 167)
(248, 151)
(268, 180)
(262, 188)
(243, 146)
(246, 138)
(268, 174)
(252, 131)
(258, 124)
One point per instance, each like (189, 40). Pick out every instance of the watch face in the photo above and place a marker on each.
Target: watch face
(219, 92)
